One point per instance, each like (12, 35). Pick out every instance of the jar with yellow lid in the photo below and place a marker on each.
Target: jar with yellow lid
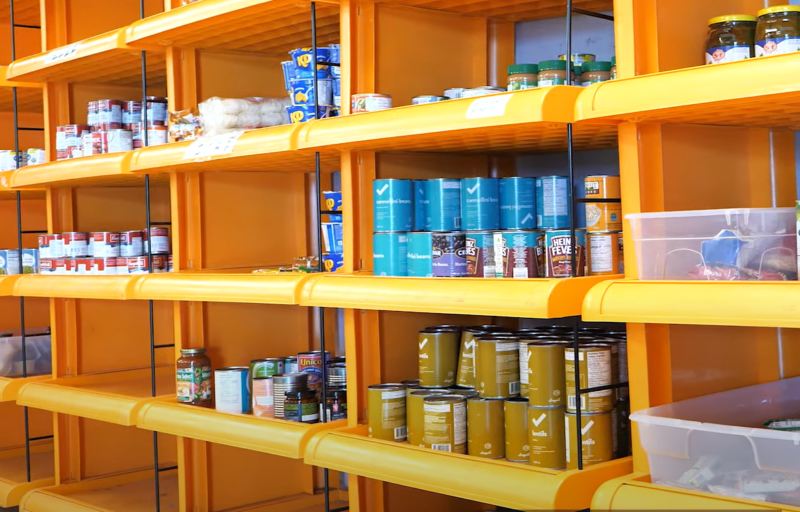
(778, 30)
(595, 72)
(731, 38)
(554, 72)
(522, 76)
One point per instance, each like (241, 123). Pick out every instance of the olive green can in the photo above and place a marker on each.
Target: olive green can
(596, 438)
(547, 383)
(497, 366)
(466, 358)
(515, 413)
(547, 437)
(438, 357)
(445, 427)
(415, 413)
(486, 430)
(387, 412)
(595, 371)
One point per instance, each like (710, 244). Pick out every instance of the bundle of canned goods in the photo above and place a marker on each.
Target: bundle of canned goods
(105, 252)
(9, 262)
(492, 393)
(476, 227)
(10, 161)
(298, 76)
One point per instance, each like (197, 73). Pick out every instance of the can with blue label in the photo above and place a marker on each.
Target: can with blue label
(302, 62)
(420, 246)
(392, 205)
(552, 202)
(449, 254)
(303, 91)
(480, 254)
(289, 73)
(443, 210)
(303, 113)
(517, 203)
(480, 203)
(516, 254)
(390, 254)
(337, 93)
(336, 58)
(420, 204)
(232, 389)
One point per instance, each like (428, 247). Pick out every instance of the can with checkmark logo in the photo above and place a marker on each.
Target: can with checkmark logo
(480, 203)
(392, 205)
(597, 438)
(547, 437)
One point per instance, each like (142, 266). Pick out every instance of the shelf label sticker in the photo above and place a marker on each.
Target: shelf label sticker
(488, 106)
(206, 147)
(62, 53)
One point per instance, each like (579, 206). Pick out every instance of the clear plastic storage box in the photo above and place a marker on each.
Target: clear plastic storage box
(716, 245)
(37, 352)
(718, 443)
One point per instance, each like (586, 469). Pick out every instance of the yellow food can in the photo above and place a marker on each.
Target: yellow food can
(595, 371)
(485, 428)
(438, 357)
(515, 411)
(415, 413)
(387, 412)
(546, 437)
(497, 366)
(546, 374)
(596, 439)
(603, 217)
(602, 187)
(445, 427)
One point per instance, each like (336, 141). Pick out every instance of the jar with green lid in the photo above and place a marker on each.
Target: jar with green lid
(577, 71)
(731, 38)
(522, 76)
(301, 406)
(595, 72)
(778, 30)
(553, 72)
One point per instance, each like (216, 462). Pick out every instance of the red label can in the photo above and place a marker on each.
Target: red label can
(91, 114)
(83, 266)
(46, 266)
(135, 265)
(130, 243)
(44, 247)
(311, 363)
(109, 114)
(156, 111)
(131, 113)
(159, 263)
(160, 237)
(76, 244)
(104, 244)
(105, 266)
(59, 265)
(56, 245)
(70, 265)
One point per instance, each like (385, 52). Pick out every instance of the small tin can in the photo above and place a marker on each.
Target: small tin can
(517, 203)
(605, 253)
(515, 411)
(103, 244)
(558, 252)
(443, 210)
(70, 266)
(387, 412)
(392, 205)
(156, 110)
(480, 254)
(287, 382)
(546, 437)
(109, 114)
(58, 266)
(454, 93)
(602, 187)
(68, 140)
(370, 102)
(131, 243)
(311, 363)
(480, 203)
(36, 156)
(603, 217)
(157, 135)
(266, 367)
(552, 202)
(420, 100)
(595, 370)
(448, 255)
(117, 141)
(420, 246)
(420, 202)
(131, 113)
(232, 389)
(438, 357)
(56, 243)
(83, 266)
(75, 244)
(547, 385)
(105, 266)
(597, 443)
(160, 264)
(263, 397)
(445, 426)
(516, 254)
(44, 246)
(415, 413)
(486, 428)
(160, 237)
(337, 375)
(390, 254)
(497, 366)
(290, 365)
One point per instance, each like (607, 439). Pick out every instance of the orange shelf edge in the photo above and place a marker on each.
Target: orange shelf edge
(7, 284)
(209, 287)
(77, 287)
(111, 168)
(9, 387)
(13, 484)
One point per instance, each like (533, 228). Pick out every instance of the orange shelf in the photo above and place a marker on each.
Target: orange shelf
(7, 284)
(13, 478)
(104, 58)
(266, 26)
(10, 387)
(97, 170)
(9, 194)
(77, 287)
(511, 10)
(267, 435)
(29, 94)
(209, 287)
(110, 397)
(526, 298)
(497, 482)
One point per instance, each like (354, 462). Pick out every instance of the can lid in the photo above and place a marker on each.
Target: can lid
(445, 398)
(192, 351)
(596, 66)
(779, 9)
(587, 57)
(519, 69)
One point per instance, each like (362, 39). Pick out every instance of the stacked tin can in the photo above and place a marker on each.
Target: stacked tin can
(298, 75)
(604, 226)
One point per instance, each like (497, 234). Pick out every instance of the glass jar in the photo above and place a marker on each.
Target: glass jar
(595, 72)
(336, 403)
(731, 38)
(194, 384)
(301, 406)
(522, 76)
(613, 68)
(778, 30)
(553, 72)
(577, 71)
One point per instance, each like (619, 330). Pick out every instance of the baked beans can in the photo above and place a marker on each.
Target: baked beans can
(311, 363)
(595, 371)
(103, 244)
(517, 203)
(131, 113)
(420, 202)
(156, 110)
(552, 202)
(232, 389)
(605, 253)
(448, 254)
(603, 217)
(438, 357)
(443, 210)
(370, 102)
(390, 254)
(109, 114)
(415, 413)
(497, 366)
(387, 412)
(105, 266)
(480, 254)
(160, 237)
(392, 205)
(420, 263)
(131, 243)
(558, 253)
(266, 367)
(516, 254)
(44, 246)
(263, 397)
(547, 437)
(547, 385)
(596, 438)
(76, 244)
(445, 424)
(515, 411)
(486, 428)
(480, 203)
(602, 187)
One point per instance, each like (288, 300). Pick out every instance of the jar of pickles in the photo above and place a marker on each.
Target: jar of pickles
(522, 76)
(731, 38)
(778, 30)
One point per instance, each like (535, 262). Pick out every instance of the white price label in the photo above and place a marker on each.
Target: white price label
(206, 147)
(64, 52)
(488, 106)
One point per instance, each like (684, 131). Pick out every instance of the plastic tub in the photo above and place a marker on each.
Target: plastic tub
(717, 443)
(716, 245)
(38, 352)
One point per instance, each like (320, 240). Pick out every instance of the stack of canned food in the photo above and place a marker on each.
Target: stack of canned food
(488, 392)
(10, 161)
(105, 252)
(298, 75)
(288, 388)
(9, 261)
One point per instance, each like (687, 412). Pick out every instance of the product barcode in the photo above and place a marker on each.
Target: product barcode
(572, 402)
(513, 387)
(441, 447)
(521, 273)
(400, 433)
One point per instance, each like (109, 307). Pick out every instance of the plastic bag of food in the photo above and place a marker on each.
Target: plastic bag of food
(223, 115)
(185, 125)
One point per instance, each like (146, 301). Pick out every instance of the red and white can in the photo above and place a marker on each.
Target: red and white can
(160, 236)
(156, 111)
(58, 265)
(160, 264)
(91, 114)
(157, 135)
(109, 115)
(83, 266)
(47, 266)
(68, 140)
(131, 113)
(130, 243)
(44, 247)
(70, 265)
(104, 244)
(106, 266)
(134, 265)
(76, 244)
(169, 264)
(56, 245)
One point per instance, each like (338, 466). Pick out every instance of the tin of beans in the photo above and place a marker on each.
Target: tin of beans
(480, 254)
(448, 254)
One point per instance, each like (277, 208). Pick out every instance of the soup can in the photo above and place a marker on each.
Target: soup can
(480, 203)
(91, 114)
(263, 397)
(517, 203)
(516, 254)
(232, 389)
(596, 438)
(558, 253)
(547, 384)
(547, 437)
(497, 366)
(515, 411)
(602, 187)
(448, 254)
(131, 243)
(603, 217)
(552, 202)
(109, 115)
(595, 370)
(415, 413)
(443, 212)
(282, 383)
(605, 253)
(445, 423)
(480, 254)
(156, 110)
(131, 113)
(420, 262)
(103, 244)
(266, 367)
(390, 254)
(387, 412)
(486, 428)
(392, 205)
(311, 363)
(76, 244)
(438, 357)
(420, 202)
(370, 102)
(105, 266)
(160, 237)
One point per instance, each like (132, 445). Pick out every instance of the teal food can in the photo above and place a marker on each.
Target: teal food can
(392, 205)
(552, 202)
(443, 210)
(420, 203)
(420, 263)
(390, 254)
(517, 203)
(480, 254)
(480, 203)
